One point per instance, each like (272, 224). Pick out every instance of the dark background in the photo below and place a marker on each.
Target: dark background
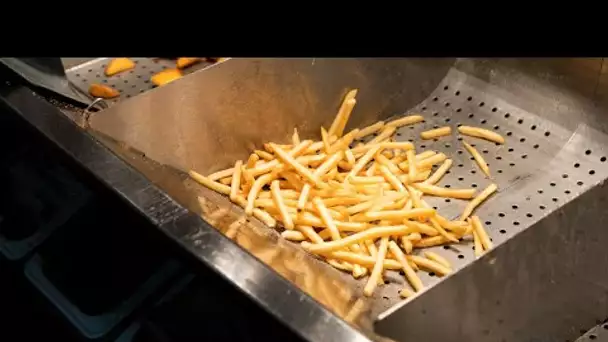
(77, 263)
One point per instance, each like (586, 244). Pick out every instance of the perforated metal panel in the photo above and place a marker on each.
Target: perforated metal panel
(598, 334)
(129, 83)
(539, 168)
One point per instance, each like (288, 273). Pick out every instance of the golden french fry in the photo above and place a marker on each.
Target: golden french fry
(378, 268)
(475, 202)
(407, 120)
(445, 192)
(436, 133)
(481, 133)
(478, 158)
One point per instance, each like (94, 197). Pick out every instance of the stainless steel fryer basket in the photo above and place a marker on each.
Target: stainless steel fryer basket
(545, 278)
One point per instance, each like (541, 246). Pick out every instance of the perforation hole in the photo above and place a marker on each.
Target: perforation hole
(533, 127)
(524, 156)
(494, 109)
(542, 207)
(473, 185)
(588, 152)
(445, 88)
(469, 98)
(457, 93)
(547, 133)
(502, 231)
(592, 172)
(434, 114)
(501, 214)
(447, 120)
(520, 121)
(507, 115)
(522, 140)
(540, 191)
(435, 99)
(447, 104)
(499, 171)
(536, 146)
(423, 108)
(460, 256)
(567, 192)
(603, 159)
(481, 104)
(471, 115)
(484, 121)
(516, 223)
(498, 158)
(577, 165)
(580, 183)
(458, 110)
(496, 127)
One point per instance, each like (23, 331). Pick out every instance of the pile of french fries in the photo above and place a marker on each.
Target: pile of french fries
(359, 206)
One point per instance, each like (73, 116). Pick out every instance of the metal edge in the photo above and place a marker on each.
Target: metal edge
(276, 295)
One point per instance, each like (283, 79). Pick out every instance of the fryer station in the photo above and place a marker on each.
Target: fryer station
(544, 280)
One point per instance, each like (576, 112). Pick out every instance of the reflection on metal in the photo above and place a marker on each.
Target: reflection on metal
(541, 282)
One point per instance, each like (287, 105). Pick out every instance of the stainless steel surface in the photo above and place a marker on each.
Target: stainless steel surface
(47, 73)
(598, 333)
(129, 83)
(543, 282)
(278, 296)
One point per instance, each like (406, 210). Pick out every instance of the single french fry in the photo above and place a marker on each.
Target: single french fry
(255, 190)
(444, 192)
(430, 265)
(394, 215)
(440, 172)
(411, 160)
(369, 130)
(215, 186)
(363, 161)
(391, 178)
(478, 158)
(326, 217)
(436, 133)
(481, 232)
(293, 235)
(369, 234)
(343, 113)
(481, 133)
(236, 179)
(475, 202)
(275, 190)
(252, 160)
(407, 120)
(295, 138)
(406, 293)
(437, 258)
(264, 155)
(477, 244)
(378, 268)
(410, 274)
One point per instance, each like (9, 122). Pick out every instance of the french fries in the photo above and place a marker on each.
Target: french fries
(360, 208)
